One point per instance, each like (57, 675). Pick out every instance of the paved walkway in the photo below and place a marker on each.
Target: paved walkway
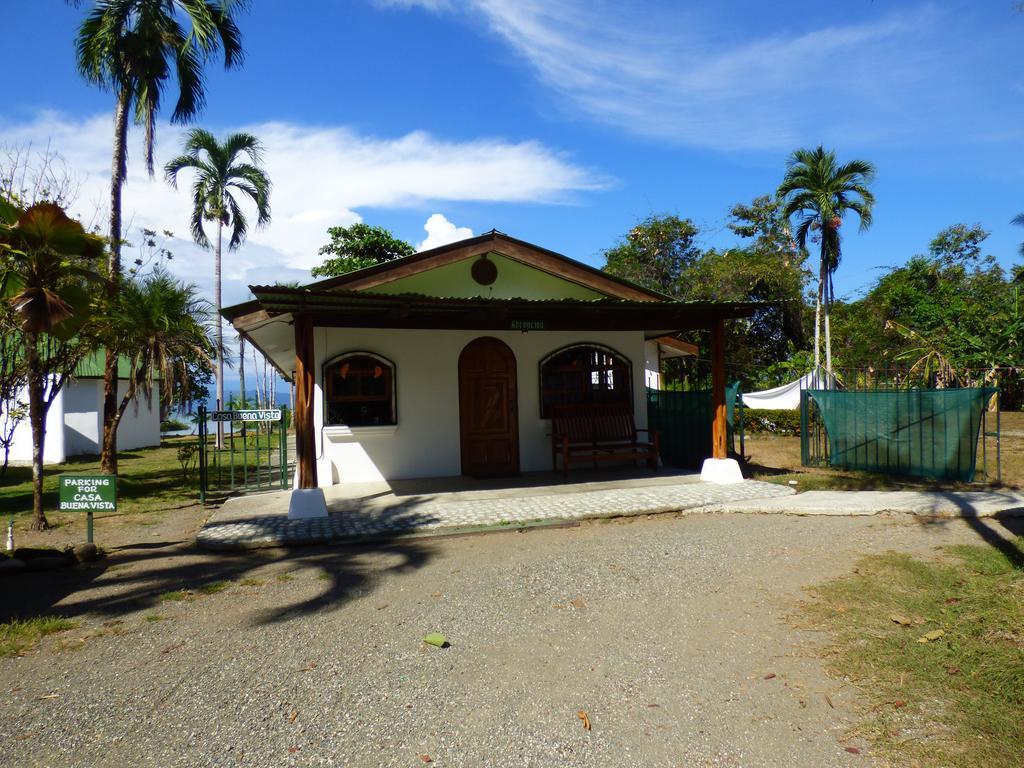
(857, 503)
(379, 511)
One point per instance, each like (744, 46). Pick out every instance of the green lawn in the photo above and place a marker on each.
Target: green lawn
(149, 479)
(937, 648)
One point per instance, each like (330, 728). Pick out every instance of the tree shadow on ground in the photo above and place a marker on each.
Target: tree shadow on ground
(1010, 543)
(138, 577)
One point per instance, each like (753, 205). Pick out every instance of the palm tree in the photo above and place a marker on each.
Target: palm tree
(48, 264)
(165, 327)
(135, 48)
(220, 178)
(822, 192)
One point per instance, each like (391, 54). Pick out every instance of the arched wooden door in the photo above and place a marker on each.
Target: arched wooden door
(488, 409)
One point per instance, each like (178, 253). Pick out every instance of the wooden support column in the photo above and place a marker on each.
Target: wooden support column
(305, 438)
(719, 425)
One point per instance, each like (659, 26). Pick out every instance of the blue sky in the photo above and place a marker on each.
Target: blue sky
(564, 121)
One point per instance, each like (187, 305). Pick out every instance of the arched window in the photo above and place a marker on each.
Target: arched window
(359, 390)
(584, 373)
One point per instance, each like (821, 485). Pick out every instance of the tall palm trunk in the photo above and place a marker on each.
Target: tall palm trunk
(241, 368)
(817, 316)
(119, 164)
(220, 329)
(37, 419)
(828, 328)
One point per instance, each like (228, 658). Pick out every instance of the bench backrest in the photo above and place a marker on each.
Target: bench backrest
(594, 422)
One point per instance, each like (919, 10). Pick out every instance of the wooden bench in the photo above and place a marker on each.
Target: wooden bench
(593, 432)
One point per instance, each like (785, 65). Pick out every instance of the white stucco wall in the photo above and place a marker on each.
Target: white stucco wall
(83, 404)
(652, 364)
(53, 447)
(425, 442)
(139, 428)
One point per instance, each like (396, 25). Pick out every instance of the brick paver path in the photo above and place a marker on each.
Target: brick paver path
(426, 514)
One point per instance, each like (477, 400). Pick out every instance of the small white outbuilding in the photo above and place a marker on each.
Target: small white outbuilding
(74, 423)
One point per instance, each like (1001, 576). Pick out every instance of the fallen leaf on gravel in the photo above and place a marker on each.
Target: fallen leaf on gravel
(24, 736)
(853, 750)
(903, 621)
(308, 667)
(292, 718)
(653, 706)
(829, 702)
(586, 720)
(769, 676)
(436, 639)
(426, 758)
(293, 750)
(173, 647)
(577, 603)
(928, 637)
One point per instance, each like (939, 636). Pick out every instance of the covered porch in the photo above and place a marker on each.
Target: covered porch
(303, 329)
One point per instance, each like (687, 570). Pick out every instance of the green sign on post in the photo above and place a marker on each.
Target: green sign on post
(88, 493)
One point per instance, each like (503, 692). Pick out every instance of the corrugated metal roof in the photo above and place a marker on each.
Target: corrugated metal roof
(93, 366)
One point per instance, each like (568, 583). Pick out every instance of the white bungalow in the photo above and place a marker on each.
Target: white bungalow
(449, 361)
(74, 423)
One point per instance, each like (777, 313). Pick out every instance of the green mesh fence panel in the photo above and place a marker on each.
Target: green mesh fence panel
(921, 432)
(683, 420)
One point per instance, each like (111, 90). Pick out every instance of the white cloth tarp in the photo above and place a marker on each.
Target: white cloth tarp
(786, 397)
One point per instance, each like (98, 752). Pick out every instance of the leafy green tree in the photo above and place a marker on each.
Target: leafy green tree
(954, 307)
(661, 253)
(222, 176)
(167, 331)
(821, 192)
(768, 268)
(655, 253)
(48, 276)
(959, 244)
(136, 48)
(357, 247)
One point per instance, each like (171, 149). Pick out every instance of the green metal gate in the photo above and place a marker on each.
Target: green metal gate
(242, 450)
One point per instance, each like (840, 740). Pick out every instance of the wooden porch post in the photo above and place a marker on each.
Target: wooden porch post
(719, 424)
(305, 442)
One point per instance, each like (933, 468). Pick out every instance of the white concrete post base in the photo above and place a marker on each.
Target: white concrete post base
(721, 471)
(307, 503)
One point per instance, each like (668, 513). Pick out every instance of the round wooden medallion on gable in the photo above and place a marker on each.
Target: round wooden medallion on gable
(484, 271)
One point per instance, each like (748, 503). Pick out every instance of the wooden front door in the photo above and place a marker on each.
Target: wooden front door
(488, 409)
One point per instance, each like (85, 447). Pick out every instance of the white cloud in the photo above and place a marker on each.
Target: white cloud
(440, 232)
(698, 77)
(322, 177)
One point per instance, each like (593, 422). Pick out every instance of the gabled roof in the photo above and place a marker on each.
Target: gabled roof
(496, 242)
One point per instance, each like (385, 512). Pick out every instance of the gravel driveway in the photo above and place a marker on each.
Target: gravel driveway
(674, 634)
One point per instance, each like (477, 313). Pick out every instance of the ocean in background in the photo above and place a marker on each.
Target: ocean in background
(283, 401)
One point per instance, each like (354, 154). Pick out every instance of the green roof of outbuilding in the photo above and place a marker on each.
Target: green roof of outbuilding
(93, 366)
